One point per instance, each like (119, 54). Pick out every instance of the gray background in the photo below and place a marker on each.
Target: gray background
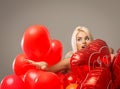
(61, 17)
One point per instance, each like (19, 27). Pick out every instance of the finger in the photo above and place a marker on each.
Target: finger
(43, 67)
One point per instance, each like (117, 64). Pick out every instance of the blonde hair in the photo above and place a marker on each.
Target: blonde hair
(73, 39)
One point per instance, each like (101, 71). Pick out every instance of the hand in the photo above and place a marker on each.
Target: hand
(40, 65)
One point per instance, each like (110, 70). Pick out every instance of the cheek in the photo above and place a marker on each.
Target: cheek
(78, 46)
(88, 42)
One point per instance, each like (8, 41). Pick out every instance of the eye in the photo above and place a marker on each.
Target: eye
(87, 38)
(79, 39)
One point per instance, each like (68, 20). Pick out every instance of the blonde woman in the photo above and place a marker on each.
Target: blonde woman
(78, 41)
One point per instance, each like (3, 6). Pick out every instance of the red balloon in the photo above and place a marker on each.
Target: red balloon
(36, 42)
(12, 82)
(116, 70)
(20, 65)
(69, 78)
(38, 79)
(31, 78)
(55, 54)
(48, 80)
(118, 51)
(96, 54)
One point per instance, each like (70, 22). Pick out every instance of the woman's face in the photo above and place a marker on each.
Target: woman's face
(82, 40)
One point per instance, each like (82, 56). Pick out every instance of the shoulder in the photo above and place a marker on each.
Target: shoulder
(69, 54)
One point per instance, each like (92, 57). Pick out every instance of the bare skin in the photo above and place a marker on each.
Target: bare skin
(62, 65)
(112, 53)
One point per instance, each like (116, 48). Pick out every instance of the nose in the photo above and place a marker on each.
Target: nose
(83, 41)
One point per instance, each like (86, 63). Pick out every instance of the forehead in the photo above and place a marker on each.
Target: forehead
(81, 34)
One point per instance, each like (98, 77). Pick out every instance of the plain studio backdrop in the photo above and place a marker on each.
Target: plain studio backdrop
(101, 17)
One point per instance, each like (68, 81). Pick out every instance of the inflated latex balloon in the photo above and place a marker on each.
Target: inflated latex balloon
(55, 54)
(118, 51)
(36, 42)
(48, 80)
(12, 82)
(20, 65)
(31, 78)
(69, 78)
(61, 75)
(38, 79)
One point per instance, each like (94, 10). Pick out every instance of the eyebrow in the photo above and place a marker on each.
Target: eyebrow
(87, 36)
(79, 37)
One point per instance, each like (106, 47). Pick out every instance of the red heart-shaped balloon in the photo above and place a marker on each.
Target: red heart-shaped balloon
(12, 82)
(36, 42)
(116, 70)
(20, 65)
(55, 54)
(95, 55)
(31, 78)
(38, 79)
(48, 80)
(69, 78)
